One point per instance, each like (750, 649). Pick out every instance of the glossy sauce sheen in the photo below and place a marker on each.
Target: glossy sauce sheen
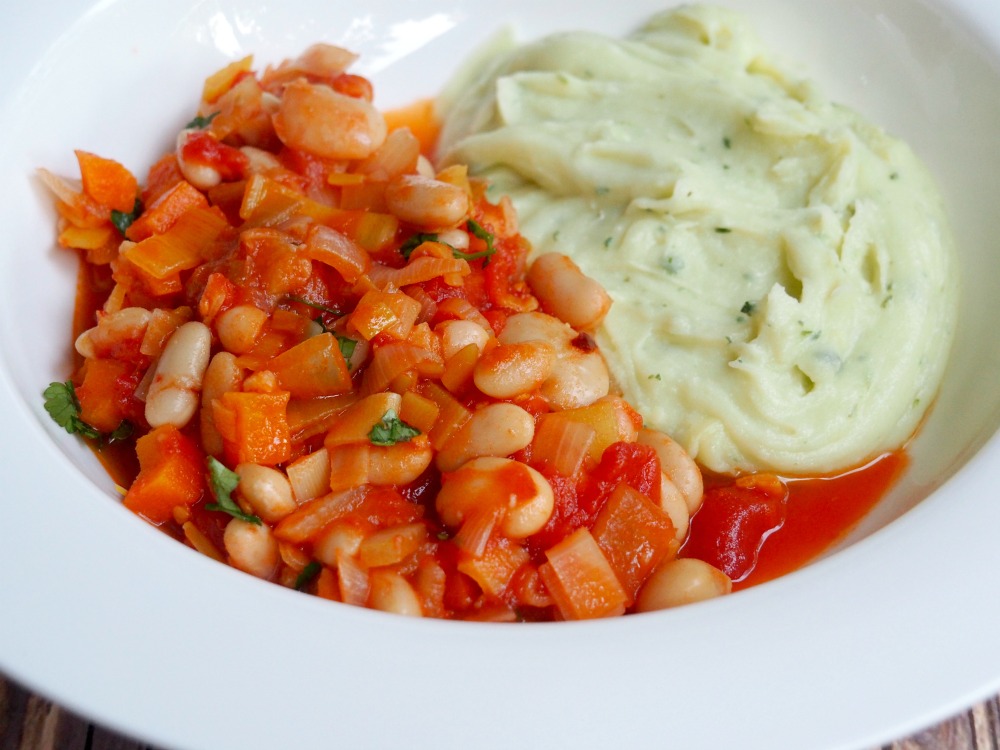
(820, 512)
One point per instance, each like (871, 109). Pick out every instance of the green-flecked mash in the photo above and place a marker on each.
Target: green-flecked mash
(783, 278)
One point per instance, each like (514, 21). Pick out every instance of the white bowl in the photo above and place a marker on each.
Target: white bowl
(106, 615)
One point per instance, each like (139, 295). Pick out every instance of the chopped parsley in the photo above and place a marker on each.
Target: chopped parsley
(64, 407)
(314, 305)
(726, 142)
(392, 430)
(749, 308)
(201, 121)
(309, 572)
(122, 220)
(347, 346)
(222, 482)
(407, 248)
(723, 230)
(655, 376)
(475, 229)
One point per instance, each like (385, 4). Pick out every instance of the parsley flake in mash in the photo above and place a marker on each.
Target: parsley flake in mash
(783, 278)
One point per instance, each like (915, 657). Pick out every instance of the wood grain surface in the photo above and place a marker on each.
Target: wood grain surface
(29, 722)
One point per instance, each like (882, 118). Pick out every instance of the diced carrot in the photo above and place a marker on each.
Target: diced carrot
(107, 182)
(581, 580)
(459, 367)
(171, 474)
(316, 367)
(106, 393)
(260, 425)
(634, 534)
(161, 215)
(418, 411)
(392, 313)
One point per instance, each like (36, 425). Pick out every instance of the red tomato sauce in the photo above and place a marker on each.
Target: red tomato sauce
(819, 512)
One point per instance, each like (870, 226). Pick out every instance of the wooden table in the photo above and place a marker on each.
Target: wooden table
(29, 722)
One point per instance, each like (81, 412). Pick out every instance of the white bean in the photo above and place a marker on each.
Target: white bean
(524, 495)
(251, 548)
(174, 391)
(458, 334)
(391, 592)
(682, 581)
(678, 465)
(566, 292)
(672, 502)
(267, 491)
(425, 202)
(509, 370)
(240, 327)
(494, 430)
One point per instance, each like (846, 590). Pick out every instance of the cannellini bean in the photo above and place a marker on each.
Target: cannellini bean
(390, 592)
(201, 176)
(251, 547)
(579, 374)
(260, 161)
(566, 292)
(174, 391)
(401, 463)
(425, 168)
(266, 490)
(509, 370)
(682, 581)
(672, 502)
(240, 327)
(458, 334)
(341, 537)
(494, 430)
(524, 495)
(426, 202)
(114, 330)
(317, 119)
(579, 378)
(457, 238)
(678, 465)
(222, 375)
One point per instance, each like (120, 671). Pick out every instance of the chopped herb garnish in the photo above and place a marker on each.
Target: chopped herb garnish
(749, 308)
(200, 121)
(309, 572)
(392, 430)
(608, 241)
(477, 230)
(416, 241)
(222, 482)
(655, 376)
(723, 230)
(122, 220)
(121, 432)
(63, 406)
(314, 305)
(347, 346)
(726, 142)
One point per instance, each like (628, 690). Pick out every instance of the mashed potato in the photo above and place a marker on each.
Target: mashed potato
(783, 278)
